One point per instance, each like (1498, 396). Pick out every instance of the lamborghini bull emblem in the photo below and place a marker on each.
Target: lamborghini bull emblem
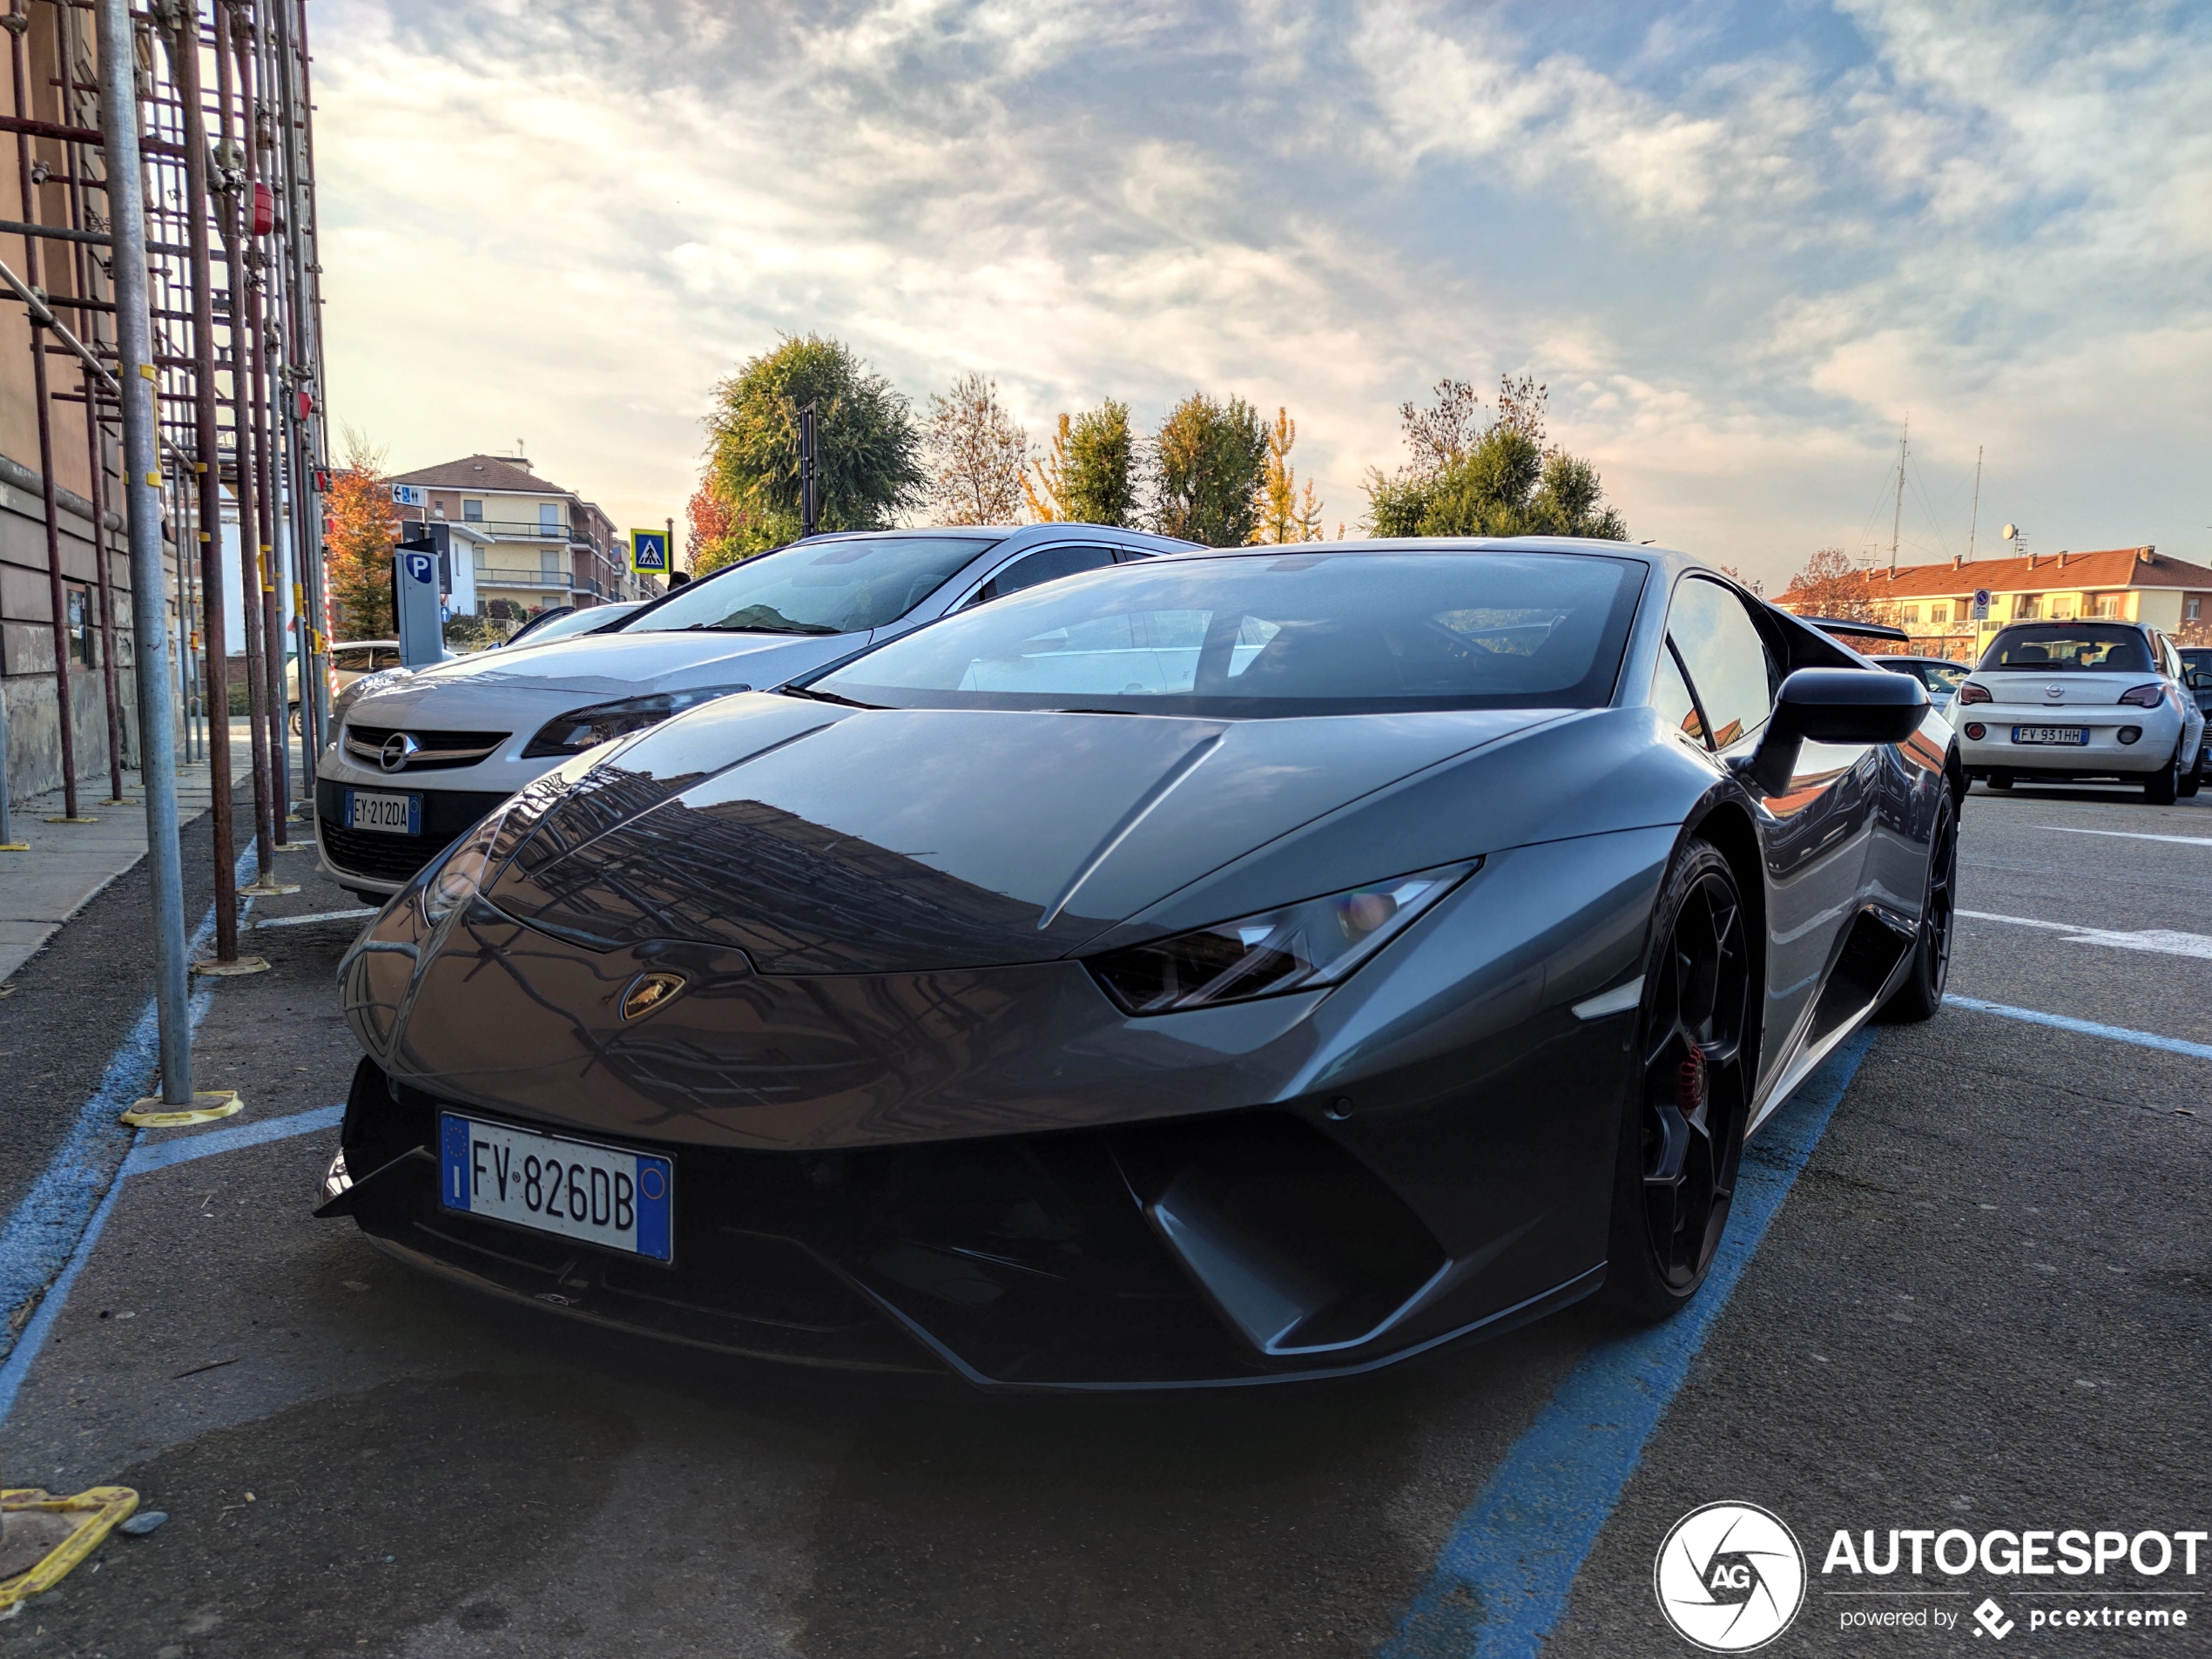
(650, 991)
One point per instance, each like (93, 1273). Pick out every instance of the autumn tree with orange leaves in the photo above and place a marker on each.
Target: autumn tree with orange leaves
(363, 525)
(1831, 585)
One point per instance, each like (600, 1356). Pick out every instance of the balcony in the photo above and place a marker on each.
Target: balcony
(518, 529)
(493, 575)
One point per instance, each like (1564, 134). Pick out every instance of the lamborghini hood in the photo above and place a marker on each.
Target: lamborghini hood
(825, 840)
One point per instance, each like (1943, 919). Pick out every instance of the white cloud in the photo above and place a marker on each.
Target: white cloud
(1738, 263)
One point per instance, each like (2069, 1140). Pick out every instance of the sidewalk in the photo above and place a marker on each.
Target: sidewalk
(69, 864)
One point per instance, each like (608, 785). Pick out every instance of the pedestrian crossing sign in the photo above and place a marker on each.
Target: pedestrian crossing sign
(649, 552)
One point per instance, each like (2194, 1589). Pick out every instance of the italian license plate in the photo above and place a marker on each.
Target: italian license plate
(603, 1195)
(364, 809)
(2074, 734)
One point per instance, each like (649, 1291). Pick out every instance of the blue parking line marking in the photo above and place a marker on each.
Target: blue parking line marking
(42, 1234)
(144, 1160)
(2083, 1028)
(1504, 1576)
(208, 1143)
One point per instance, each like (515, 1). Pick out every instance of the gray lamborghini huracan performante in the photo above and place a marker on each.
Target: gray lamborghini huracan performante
(1231, 969)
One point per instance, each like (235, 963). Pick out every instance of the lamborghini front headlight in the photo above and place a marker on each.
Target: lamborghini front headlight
(1315, 942)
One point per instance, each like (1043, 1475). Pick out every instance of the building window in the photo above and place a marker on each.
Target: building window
(2028, 606)
(2192, 608)
(549, 564)
(2061, 611)
(1938, 613)
(472, 512)
(476, 557)
(2107, 605)
(1912, 613)
(83, 650)
(549, 518)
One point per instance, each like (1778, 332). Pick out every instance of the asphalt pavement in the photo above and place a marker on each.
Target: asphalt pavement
(1981, 1307)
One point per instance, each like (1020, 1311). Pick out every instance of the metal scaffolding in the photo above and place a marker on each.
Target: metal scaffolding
(220, 109)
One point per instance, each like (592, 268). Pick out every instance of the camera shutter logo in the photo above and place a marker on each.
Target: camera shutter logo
(1729, 1577)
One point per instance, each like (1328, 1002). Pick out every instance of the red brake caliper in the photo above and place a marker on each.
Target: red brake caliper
(1690, 1082)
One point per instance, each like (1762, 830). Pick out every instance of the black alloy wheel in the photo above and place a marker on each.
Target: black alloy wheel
(1921, 993)
(1683, 1135)
(2160, 787)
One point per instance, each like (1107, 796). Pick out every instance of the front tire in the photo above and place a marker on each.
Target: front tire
(1681, 1129)
(1921, 995)
(2193, 779)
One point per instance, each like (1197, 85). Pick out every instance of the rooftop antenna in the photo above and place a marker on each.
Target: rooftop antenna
(1897, 519)
(1976, 524)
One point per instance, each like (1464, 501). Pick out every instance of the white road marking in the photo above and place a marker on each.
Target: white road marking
(2131, 835)
(2161, 939)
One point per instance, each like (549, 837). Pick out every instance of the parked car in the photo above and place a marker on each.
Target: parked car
(1250, 965)
(2081, 702)
(565, 621)
(1939, 675)
(348, 662)
(423, 755)
(2196, 665)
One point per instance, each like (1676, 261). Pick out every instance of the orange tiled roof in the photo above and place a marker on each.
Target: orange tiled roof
(481, 472)
(2116, 567)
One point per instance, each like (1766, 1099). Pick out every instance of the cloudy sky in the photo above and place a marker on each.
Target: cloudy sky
(1742, 243)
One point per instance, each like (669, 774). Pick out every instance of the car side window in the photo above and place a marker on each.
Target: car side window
(387, 657)
(1730, 670)
(1046, 565)
(349, 662)
(1670, 696)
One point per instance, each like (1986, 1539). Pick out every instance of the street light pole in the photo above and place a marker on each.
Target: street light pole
(142, 500)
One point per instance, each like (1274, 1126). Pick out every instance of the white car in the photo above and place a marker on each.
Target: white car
(421, 756)
(2081, 702)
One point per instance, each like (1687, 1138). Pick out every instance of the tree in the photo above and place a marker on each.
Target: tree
(977, 454)
(1089, 475)
(869, 460)
(364, 525)
(1831, 585)
(1282, 516)
(717, 531)
(1503, 480)
(1044, 485)
(1208, 460)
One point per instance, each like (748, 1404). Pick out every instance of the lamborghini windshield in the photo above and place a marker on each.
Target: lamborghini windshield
(1295, 633)
(836, 585)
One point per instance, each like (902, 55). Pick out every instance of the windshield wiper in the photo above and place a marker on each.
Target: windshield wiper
(827, 697)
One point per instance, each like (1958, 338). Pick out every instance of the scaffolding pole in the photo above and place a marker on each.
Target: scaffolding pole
(142, 498)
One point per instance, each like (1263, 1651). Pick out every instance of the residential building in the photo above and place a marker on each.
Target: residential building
(1935, 603)
(531, 545)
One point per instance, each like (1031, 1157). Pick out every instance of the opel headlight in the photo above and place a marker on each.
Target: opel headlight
(587, 728)
(1295, 948)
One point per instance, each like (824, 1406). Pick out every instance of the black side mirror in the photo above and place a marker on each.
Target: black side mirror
(1834, 705)
(2200, 680)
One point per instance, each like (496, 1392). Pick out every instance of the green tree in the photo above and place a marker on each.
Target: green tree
(869, 461)
(1504, 482)
(1208, 459)
(1098, 484)
(1089, 475)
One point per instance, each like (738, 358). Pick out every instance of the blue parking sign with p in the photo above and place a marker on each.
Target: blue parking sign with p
(649, 552)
